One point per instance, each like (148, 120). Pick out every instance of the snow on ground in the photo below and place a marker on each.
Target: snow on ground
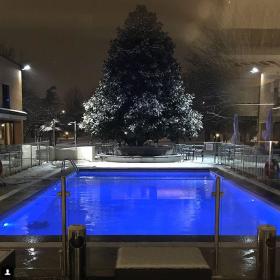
(26, 178)
(182, 164)
(34, 172)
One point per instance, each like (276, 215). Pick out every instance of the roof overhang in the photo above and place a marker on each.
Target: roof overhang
(261, 60)
(12, 115)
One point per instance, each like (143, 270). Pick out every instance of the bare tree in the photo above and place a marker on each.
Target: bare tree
(208, 74)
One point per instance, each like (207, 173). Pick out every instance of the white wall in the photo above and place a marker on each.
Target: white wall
(79, 153)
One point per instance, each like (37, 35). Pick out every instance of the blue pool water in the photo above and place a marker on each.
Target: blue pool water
(142, 203)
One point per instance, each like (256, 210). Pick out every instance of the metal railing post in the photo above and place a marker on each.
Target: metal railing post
(215, 153)
(64, 226)
(31, 155)
(266, 252)
(217, 195)
(233, 161)
(242, 162)
(21, 160)
(75, 133)
(39, 152)
(263, 160)
(10, 167)
(48, 152)
(77, 252)
(256, 167)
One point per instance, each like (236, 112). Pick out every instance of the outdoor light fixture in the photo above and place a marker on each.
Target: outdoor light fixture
(75, 131)
(217, 135)
(254, 70)
(2, 124)
(26, 67)
(63, 112)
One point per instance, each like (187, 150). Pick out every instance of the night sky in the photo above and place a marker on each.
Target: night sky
(66, 41)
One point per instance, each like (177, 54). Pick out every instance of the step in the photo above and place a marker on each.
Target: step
(161, 263)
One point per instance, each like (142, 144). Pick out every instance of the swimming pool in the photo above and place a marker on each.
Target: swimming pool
(142, 202)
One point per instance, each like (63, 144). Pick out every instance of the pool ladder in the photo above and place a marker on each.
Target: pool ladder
(63, 165)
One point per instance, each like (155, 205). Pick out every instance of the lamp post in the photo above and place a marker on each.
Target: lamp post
(53, 131)
(23, 68)
(75, 131)
(255, 70)
(53, 126)
(26, 67)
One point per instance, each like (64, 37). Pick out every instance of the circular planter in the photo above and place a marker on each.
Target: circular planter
(139, 159)
(145, 151)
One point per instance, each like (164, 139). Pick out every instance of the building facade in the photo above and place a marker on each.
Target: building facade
(11, 114)
(252, 33)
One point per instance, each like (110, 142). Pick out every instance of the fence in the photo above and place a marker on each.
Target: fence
(243, 159)
(190, 152)
(246, 160)
(16, 158)
(107, 149)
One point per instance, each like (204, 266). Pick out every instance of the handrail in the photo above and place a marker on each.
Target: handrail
(63, 165)
(63, 195)
(74, 165)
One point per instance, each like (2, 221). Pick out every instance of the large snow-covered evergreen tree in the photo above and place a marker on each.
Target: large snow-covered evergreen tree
(141, 95)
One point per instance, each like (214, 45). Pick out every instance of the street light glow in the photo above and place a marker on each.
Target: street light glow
(255, 70)
(26, 67)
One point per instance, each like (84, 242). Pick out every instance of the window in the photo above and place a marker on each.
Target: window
(6, 96)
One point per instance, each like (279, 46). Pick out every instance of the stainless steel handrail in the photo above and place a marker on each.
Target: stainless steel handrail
(63, 165)
(74, 165)
(63, 195)
(217, 195)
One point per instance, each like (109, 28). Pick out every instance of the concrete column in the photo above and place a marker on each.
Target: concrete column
(267, 85)
(18, 132)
